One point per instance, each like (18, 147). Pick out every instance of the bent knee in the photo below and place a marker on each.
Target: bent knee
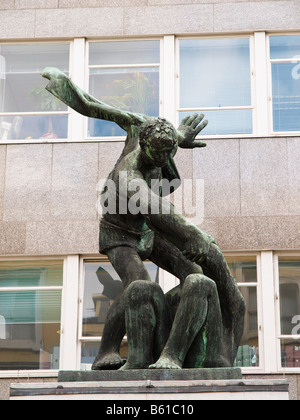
(199, 282)
(142, 291)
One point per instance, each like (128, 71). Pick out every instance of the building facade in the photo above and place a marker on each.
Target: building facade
(237, 62)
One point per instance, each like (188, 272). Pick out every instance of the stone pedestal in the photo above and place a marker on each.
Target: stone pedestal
(153, 385)
(150, 374)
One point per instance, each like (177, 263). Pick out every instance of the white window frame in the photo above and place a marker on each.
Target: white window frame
(270, 85)
(252, 107)
(81, 338)
(67, 319)
(260, 315)
(280, 336)
(268, 311)
(88, 67)
(167, 282)
(261, 85)
(38, 113)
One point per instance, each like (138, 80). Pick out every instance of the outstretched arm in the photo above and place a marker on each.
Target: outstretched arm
(63, 88)
(189, 129)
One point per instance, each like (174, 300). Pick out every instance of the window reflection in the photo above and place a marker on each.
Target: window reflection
(244, 270)
(124, 75)
(289, 293)
(285, 82)
(290, 353)
(102, 286)
(215, 73)
(22, 90)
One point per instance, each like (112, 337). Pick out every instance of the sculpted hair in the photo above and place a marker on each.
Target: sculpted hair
(158, 133)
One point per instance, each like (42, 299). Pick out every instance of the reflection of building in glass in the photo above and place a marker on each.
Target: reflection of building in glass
(289, 295)
(244, 269)
(93, 325)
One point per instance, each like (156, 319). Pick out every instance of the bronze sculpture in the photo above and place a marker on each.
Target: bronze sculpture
(197, 324)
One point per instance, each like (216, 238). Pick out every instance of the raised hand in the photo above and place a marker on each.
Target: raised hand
(189, 129)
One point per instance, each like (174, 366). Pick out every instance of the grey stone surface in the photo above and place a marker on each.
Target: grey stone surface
(184, 163)
(36, 4)
(101, 3)
(7, 4)
(18, 24)
(28, 182)
(258, 233)
(84, 22)
(2, 177)
(109, 153)
(218, 165)
(40, 18)
(293, 150)
(5, 385)
(264, 177)
(12, 238)
(257, 15)
(168, 19)
(150, 374)
(62, 237)
(169, 390)
(74, 177)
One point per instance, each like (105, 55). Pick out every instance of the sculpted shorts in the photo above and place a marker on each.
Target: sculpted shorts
(112, 236)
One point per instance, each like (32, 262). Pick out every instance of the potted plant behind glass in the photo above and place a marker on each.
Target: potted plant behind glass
(135, 94)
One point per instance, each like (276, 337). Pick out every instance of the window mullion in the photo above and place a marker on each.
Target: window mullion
(261, 85)
(168, 91)
(269, 316)
(68, 356)
(77, 73)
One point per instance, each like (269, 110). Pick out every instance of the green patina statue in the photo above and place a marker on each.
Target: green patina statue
(200, 322)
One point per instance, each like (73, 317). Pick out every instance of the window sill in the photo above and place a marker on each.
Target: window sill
(122, 139)
(16, 374)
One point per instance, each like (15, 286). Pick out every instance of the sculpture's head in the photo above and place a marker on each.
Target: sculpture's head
(158, 141)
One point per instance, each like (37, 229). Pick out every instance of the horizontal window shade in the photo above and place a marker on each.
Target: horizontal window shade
(125, 52)
(30, 307)
(31, 264)
(31, 273)
(215, 73)
(282, 47)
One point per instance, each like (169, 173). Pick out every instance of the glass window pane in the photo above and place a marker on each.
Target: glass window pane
(286, 96)
(30, 319)
(215, 73)
(22, 86)
(30, 307)
(248, 352)
(31, 273)
(33, 127)
(243, 269)
(127, 52)
(226, 122)
(289, 287)
(102, 286)
(129, 89)
(290, 353)
(282, 47)
(30, 330)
